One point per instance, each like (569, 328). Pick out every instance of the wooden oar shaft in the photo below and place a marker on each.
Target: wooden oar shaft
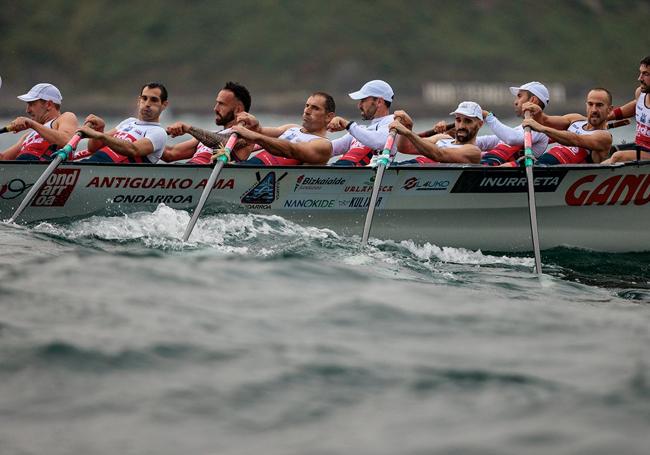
(221, 160)
(381, 167)
(532, 206)
(35, 188)
(618, 123)
(4, 129)
(204, 197)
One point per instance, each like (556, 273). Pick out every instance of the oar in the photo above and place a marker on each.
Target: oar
(532, 211)
(59, 155)
(4, 129)
(431, 132)
(618, 123)
(221, 160)
(381, 167)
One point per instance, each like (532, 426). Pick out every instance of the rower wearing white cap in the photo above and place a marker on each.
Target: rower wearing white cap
(361, 142)
(580, 139)
(51, 129)
(442, 148)
(506, 145)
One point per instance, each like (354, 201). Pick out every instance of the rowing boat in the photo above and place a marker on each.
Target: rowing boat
(604, 208)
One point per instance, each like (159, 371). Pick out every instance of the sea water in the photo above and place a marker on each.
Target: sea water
(263, 336)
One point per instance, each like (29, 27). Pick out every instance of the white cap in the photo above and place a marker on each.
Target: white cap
(42, 91)
(469, 109)
(536, 88)
(376, 88)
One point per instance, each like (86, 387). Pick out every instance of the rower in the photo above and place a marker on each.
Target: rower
(641, 106)
(442, 148)
(506, 145)
(361, 142)
(232, 99)
(134, 140)
(51, 129)
(580, 139)
(292, 144)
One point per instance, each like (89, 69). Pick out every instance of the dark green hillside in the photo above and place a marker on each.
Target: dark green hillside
(296, 46)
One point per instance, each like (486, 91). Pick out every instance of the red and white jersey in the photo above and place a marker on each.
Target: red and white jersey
(642, 121)
(572, 154)
(442, 143)
(292, 135)
(133, 130)
(203, 153)
(35, 145)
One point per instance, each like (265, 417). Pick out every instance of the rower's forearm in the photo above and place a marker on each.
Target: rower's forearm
(120, 146)
(56, 137)
(425, 148)
(208, 138)
(560, 136)
(278, 147)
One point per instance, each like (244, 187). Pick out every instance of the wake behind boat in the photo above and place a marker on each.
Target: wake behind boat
(604, 208)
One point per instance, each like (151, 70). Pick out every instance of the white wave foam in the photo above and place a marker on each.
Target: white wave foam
(455, 255)
(164, 228)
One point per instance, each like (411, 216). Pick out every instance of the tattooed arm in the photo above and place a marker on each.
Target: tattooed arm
(209, 138)
(213, 140)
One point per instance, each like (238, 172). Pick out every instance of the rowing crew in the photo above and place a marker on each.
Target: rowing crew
(568, 139)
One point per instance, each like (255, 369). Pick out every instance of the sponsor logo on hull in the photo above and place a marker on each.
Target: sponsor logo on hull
(264, 192)
(415, 184)
(489, 181)
(151, 199)
(57, 188)
(361, 202)
(310, 203)
(315, 184)
(156, 183)
(13, 189)
(367, 189)
(616, 190)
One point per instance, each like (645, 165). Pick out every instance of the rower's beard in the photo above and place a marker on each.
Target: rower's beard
(224, 120)
(466, 136)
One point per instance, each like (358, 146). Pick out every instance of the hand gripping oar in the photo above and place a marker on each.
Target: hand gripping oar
(382, 163)
(59, 155)
(221, 160)
(532, 211)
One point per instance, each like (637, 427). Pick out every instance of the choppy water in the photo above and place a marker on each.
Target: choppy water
(262, 336)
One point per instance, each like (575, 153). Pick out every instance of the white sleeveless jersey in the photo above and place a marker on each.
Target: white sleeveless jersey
(642, 121)
(296, 136)
(447, 143)
(133, 130)
(578, 128)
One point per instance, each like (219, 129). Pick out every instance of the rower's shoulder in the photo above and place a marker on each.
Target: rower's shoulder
(68, 116)
(637, 93)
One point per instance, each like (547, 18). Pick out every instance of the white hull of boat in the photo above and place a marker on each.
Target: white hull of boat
(593, 207)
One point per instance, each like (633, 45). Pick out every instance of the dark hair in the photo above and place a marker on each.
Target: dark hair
(330, 105)
(646, 61)
(531, 94)
(159, 85)
(601, 89)
(386, 102)
(240, 92)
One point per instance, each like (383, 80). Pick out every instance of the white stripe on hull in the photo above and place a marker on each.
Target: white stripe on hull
(600, 208)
